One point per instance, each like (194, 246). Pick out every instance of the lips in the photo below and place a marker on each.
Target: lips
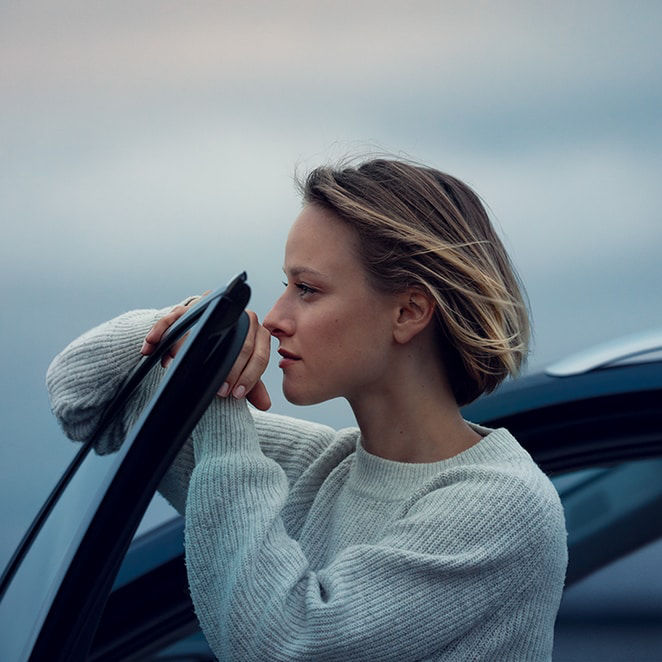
(288, 358)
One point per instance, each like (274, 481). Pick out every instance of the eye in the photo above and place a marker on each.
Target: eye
(305, 289)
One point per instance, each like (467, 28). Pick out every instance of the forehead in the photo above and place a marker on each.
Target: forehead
(319, 241)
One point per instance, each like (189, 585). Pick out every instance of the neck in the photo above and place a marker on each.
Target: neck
(412, 416)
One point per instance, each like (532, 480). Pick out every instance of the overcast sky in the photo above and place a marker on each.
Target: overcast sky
(148, 149)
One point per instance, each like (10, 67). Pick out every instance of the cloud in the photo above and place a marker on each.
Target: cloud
(168, 132)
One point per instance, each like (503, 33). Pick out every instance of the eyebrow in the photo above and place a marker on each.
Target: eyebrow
(297, 271)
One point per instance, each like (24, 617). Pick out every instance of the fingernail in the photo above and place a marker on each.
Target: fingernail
(239, 392)
(224, 390)
(143, 349)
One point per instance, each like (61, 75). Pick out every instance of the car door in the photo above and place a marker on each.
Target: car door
(53, 592)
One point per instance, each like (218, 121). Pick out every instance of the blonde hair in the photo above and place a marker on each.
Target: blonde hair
(418, 227)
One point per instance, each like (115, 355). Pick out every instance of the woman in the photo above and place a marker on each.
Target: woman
(417, 535)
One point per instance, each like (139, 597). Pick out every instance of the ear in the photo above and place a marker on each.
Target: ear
(415, 310)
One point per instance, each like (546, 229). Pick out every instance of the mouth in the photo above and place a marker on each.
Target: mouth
(288, 355)
(288, 358)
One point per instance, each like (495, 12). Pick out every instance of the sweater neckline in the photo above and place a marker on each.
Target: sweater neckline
(388, 480)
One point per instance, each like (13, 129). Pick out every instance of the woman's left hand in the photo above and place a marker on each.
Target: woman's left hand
(244, 379)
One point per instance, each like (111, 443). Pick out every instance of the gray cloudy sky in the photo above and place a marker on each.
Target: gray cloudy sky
(147, 152)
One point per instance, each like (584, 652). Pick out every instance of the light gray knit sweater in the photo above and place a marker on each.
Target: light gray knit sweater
(300, 545)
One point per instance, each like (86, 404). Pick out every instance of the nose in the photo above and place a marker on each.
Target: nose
(277, 321)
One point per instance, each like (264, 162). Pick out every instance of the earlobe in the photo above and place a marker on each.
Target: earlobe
(416, 309)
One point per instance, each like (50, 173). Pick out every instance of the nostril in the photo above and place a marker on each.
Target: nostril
(277, 332)
(276, 327)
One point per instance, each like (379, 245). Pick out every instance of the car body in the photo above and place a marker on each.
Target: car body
(80, 587)
(593, 423)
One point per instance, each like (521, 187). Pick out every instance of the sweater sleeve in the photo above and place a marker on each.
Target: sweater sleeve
(426, 584)
(84, 377)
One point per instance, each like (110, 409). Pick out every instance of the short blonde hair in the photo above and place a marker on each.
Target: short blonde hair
(419, 227)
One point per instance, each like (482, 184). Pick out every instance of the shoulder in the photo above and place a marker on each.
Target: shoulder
(495, 495)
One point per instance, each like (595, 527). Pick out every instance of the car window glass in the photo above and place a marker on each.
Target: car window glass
(158, 512)
(29, 477)
(599, 496)
(192, 647)
(615, 612)
(629, 587)
(40, 570)
(564, 483)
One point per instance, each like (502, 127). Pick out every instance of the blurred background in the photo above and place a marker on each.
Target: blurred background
(148, 150)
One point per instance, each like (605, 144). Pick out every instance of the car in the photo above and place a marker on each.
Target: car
(81, 585)
(593, 423)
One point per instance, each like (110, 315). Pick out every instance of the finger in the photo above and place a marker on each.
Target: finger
(251, 362)
(176, 314)
(155, 334)
(193, 301)
(256, 365)
(243, 357)
(147, 348)
(173, 351)
(259, 396)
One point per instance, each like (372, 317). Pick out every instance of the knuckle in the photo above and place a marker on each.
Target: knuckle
(264, 333)
(249, 346)
(262, 357)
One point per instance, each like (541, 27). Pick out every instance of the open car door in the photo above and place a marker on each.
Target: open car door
(54, 589)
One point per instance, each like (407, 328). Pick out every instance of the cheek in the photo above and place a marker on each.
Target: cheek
(325, 332)
(364, 341)
(358, 332)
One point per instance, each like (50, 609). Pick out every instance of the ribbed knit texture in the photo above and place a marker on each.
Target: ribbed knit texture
(300, 545)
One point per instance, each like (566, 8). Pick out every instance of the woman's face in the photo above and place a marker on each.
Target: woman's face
(334, 330)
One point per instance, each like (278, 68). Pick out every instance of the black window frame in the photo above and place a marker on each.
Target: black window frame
(66, 612)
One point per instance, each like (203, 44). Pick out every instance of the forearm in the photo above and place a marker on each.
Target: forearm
(85, 376)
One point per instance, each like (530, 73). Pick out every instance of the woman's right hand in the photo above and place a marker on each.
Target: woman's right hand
(244, 379)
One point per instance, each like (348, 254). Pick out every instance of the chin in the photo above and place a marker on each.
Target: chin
(301, 398)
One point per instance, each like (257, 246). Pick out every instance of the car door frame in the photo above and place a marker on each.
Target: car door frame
(80, 556)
